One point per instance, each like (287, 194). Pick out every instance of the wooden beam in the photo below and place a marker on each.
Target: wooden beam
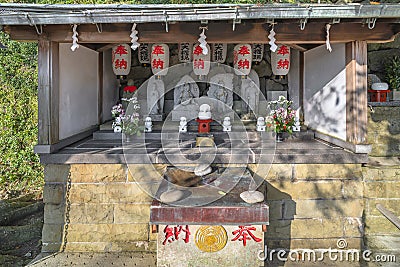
(48, 92)
(245, 32)
(105, 47)
(297, 47)
(356, 92)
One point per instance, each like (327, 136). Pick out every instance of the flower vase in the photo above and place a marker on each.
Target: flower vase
(279, 137)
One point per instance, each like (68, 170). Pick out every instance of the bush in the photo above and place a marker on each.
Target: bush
(20, 170)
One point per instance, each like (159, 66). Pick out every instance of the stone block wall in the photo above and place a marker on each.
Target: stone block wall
(311, 206)
(108, 209)
(314, 205)
(382, 186)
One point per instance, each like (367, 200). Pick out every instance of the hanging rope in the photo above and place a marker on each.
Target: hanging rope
(134, 37)
(328, 44)
(75, 40)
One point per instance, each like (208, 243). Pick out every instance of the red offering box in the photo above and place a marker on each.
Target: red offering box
(378, 95)
(204, 125)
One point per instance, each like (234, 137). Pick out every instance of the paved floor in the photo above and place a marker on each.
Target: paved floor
(140, 259)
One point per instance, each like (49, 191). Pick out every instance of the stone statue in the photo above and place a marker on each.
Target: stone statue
(227, 126)
(183, 125)
(250, 91)
(186, 96)
(205, 112)
(185, 91)
(261, 124)
(221, 87)
(155, 96)
(148, 125)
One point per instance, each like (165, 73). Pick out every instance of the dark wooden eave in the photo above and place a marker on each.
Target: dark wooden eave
(287, 31)
(226, 23)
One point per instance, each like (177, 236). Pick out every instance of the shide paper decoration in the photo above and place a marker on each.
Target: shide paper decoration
(75, 44)
(134, 37)
(272, 39)
(203, 42)
(328, 44)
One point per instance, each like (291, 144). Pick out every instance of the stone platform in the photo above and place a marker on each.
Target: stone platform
(225, 232)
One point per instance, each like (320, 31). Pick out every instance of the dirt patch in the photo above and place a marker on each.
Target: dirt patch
(21, 223)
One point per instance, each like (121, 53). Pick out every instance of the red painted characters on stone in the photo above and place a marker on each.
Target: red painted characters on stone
(172, 234)
(244, 233)
(158, 50)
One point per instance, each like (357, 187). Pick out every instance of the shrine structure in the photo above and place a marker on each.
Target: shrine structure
(171, 190)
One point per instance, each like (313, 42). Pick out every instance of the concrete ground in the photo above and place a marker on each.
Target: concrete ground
(144, 259)
(140, 259)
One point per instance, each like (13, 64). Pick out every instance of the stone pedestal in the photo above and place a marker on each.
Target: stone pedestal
(209, 245)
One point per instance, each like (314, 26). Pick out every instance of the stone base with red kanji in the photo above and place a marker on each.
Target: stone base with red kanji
(200, 245)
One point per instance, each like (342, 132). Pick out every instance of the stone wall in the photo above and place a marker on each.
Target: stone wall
(382, 186)
(108, 209)
(314, 205)
(311, 205)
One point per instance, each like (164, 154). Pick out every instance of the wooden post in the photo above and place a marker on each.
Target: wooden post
(48, 92)
(356, 92)
(301, 84)
(100, 88)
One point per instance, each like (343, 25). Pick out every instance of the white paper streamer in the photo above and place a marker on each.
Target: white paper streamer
(134, 37)
(75, 40)
(328, 44)
(203, 42)
(272, 39)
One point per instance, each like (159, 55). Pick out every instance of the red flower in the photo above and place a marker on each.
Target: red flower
(130, 88)
(284, 127)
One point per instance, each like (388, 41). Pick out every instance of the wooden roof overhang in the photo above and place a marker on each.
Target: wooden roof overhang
(108, 24)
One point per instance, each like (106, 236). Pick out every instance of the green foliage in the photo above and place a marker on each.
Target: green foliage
(393, 73)
(19, 166)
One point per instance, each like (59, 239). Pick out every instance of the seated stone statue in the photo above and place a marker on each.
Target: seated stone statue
(186, 94)
(221, 87)
(185, 91)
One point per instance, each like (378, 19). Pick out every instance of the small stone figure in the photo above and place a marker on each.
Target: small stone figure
(296, 126)
(116, 125)
(261, 124)
(205, 112)
(227, 126)
(148, 125)
(183, 125)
